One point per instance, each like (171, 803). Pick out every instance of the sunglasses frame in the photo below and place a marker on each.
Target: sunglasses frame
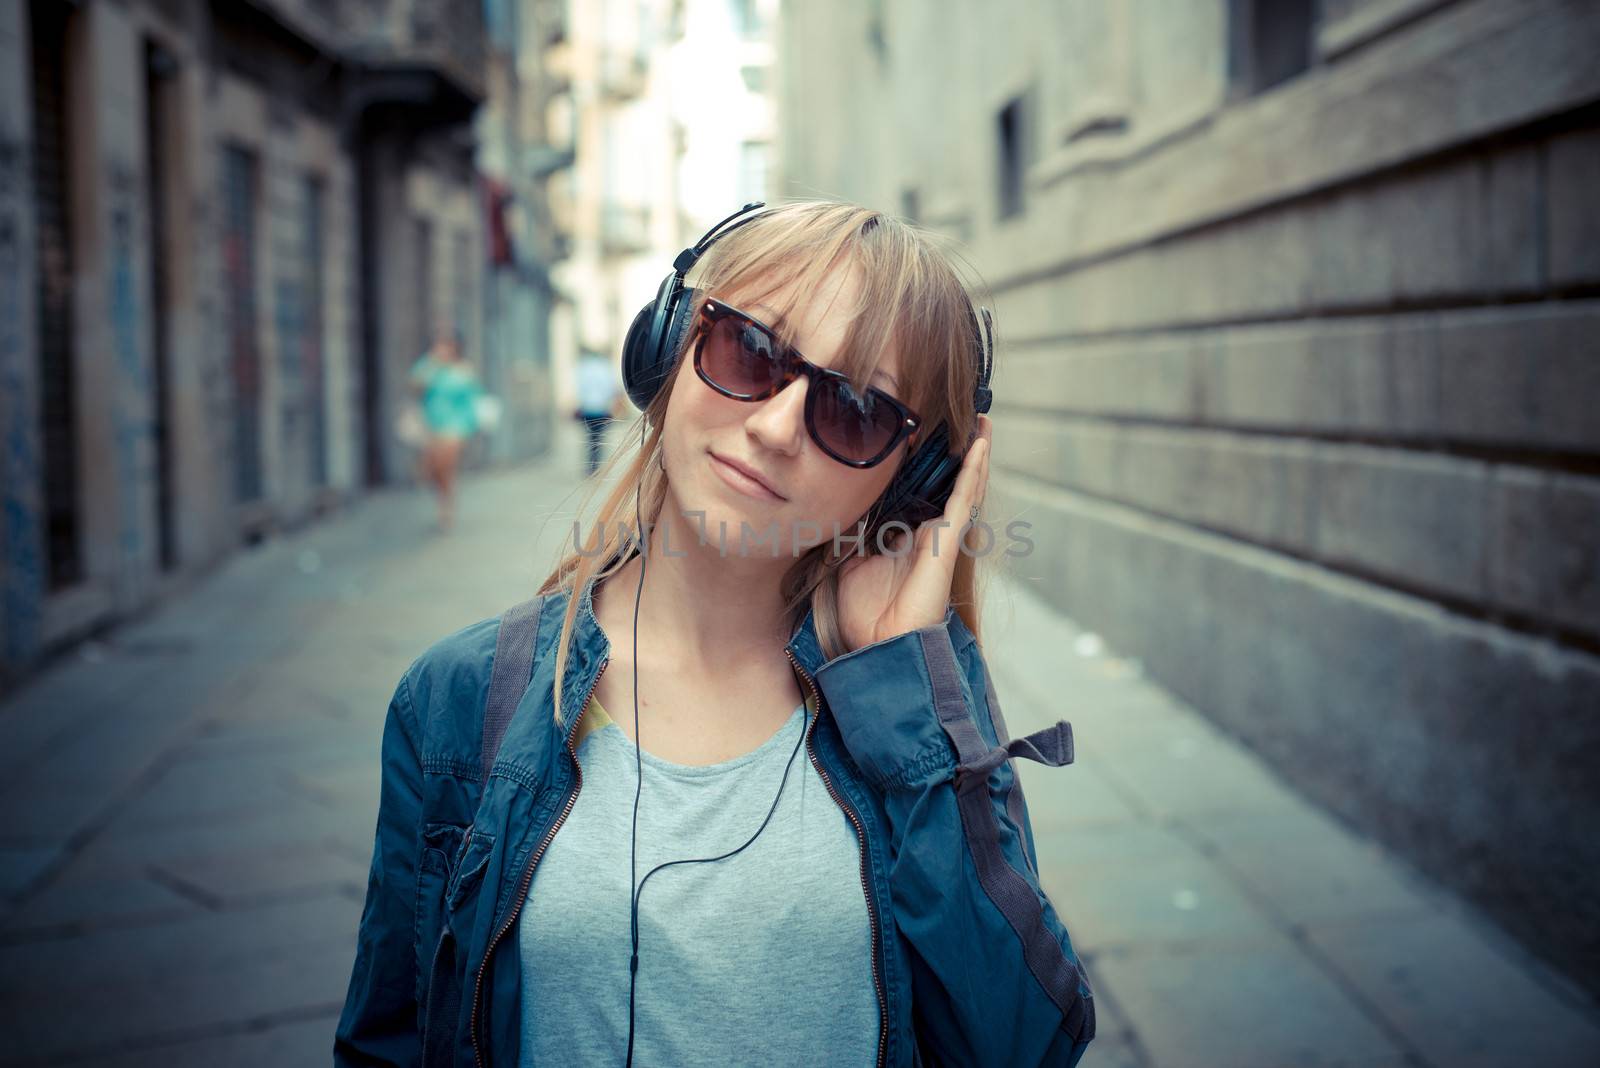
(795, 365)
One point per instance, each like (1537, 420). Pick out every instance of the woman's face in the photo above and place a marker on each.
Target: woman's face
(707, 436)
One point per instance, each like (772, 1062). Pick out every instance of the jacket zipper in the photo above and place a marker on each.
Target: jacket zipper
(527, 874)
(861, 838)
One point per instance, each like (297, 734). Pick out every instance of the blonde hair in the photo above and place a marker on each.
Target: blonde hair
(910, 296)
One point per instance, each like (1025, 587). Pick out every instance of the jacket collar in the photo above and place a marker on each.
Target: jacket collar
(591, 647)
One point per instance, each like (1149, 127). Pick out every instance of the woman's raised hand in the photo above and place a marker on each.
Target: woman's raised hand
(888, 594)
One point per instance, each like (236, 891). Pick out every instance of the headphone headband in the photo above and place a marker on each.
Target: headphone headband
(690, 256)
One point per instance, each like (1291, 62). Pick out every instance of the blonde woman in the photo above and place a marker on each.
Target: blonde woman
(597, 841)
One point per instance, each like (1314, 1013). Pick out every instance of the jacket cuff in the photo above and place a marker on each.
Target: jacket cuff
(888, 699)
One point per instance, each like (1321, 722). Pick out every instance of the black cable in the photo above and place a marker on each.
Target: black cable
(638, 760)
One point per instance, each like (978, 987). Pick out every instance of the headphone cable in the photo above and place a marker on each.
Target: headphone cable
(633, 845)
(638, 759)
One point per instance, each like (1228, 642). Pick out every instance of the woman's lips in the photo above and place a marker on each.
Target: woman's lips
(742, 482)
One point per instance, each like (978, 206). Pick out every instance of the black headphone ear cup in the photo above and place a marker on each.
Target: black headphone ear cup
(680, 324)
(638, 377)
(921, 488)
(653, 340)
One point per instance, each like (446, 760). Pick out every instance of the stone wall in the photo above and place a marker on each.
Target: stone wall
(1296, 384)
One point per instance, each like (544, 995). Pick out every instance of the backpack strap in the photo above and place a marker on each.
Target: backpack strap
(508, 680)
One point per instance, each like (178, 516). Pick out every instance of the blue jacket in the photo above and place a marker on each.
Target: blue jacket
(971, 963)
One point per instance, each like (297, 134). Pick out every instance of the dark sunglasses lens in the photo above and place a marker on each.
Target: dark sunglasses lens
(852, 425)
(740, 358)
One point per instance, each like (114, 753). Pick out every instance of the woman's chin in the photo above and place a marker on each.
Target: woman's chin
(732, 524)
(723, 516)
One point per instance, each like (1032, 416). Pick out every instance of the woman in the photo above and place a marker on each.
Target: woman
(449, 390)
(702, 896)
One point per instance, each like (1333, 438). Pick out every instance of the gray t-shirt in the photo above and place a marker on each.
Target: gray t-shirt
(761, 958)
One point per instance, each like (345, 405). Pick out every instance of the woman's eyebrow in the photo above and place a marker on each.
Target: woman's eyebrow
(776, 314)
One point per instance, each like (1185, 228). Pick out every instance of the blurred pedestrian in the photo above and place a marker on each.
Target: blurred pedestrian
(450, 393)
(597, 396)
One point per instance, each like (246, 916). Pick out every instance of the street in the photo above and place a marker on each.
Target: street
(190, 803)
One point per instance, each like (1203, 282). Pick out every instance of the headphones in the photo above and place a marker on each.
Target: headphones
(923, 483)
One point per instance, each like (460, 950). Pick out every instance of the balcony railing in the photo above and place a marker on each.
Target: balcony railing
(445, 35)
(623, 74)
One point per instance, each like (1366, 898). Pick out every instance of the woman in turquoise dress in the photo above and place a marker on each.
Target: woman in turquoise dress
(449, 390)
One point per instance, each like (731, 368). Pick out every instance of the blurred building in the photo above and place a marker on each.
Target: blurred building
(670, 111)
(522, 141)
(724, 108)
(1299, 372)
(227, 229)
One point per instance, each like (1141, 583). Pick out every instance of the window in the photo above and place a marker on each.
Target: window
(747, 17)
(911, 204)
(753, 156)
(1015, 147)
(1269, 42)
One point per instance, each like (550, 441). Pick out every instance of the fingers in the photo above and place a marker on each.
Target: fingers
(973, 480)
(913, 589)
(934, 564)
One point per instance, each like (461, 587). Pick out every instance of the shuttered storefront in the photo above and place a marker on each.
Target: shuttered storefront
(239, 185)
(316, 375)
(53, 244)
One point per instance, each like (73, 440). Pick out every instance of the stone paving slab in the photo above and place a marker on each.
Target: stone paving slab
(166, 1010)
(1304, 868)
(191, 804)
(1160, 890)
(277, 1045)
(22, 865)
(1460, 994)
(81, 903)
(1234, 1005)
(204, 941)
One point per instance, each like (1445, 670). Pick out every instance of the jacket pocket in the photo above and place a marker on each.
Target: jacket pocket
(467, 872)
(442, 982)
(440, 1011)
(441, 846)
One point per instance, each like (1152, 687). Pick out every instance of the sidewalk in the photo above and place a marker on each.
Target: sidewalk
(1227, 923)
(190, 812)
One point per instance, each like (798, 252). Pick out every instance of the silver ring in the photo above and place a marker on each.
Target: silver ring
(974, 516)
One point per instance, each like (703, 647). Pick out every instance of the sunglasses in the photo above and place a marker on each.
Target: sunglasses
(740, 357)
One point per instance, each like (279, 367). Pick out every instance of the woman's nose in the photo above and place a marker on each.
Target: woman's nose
(779, 422)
